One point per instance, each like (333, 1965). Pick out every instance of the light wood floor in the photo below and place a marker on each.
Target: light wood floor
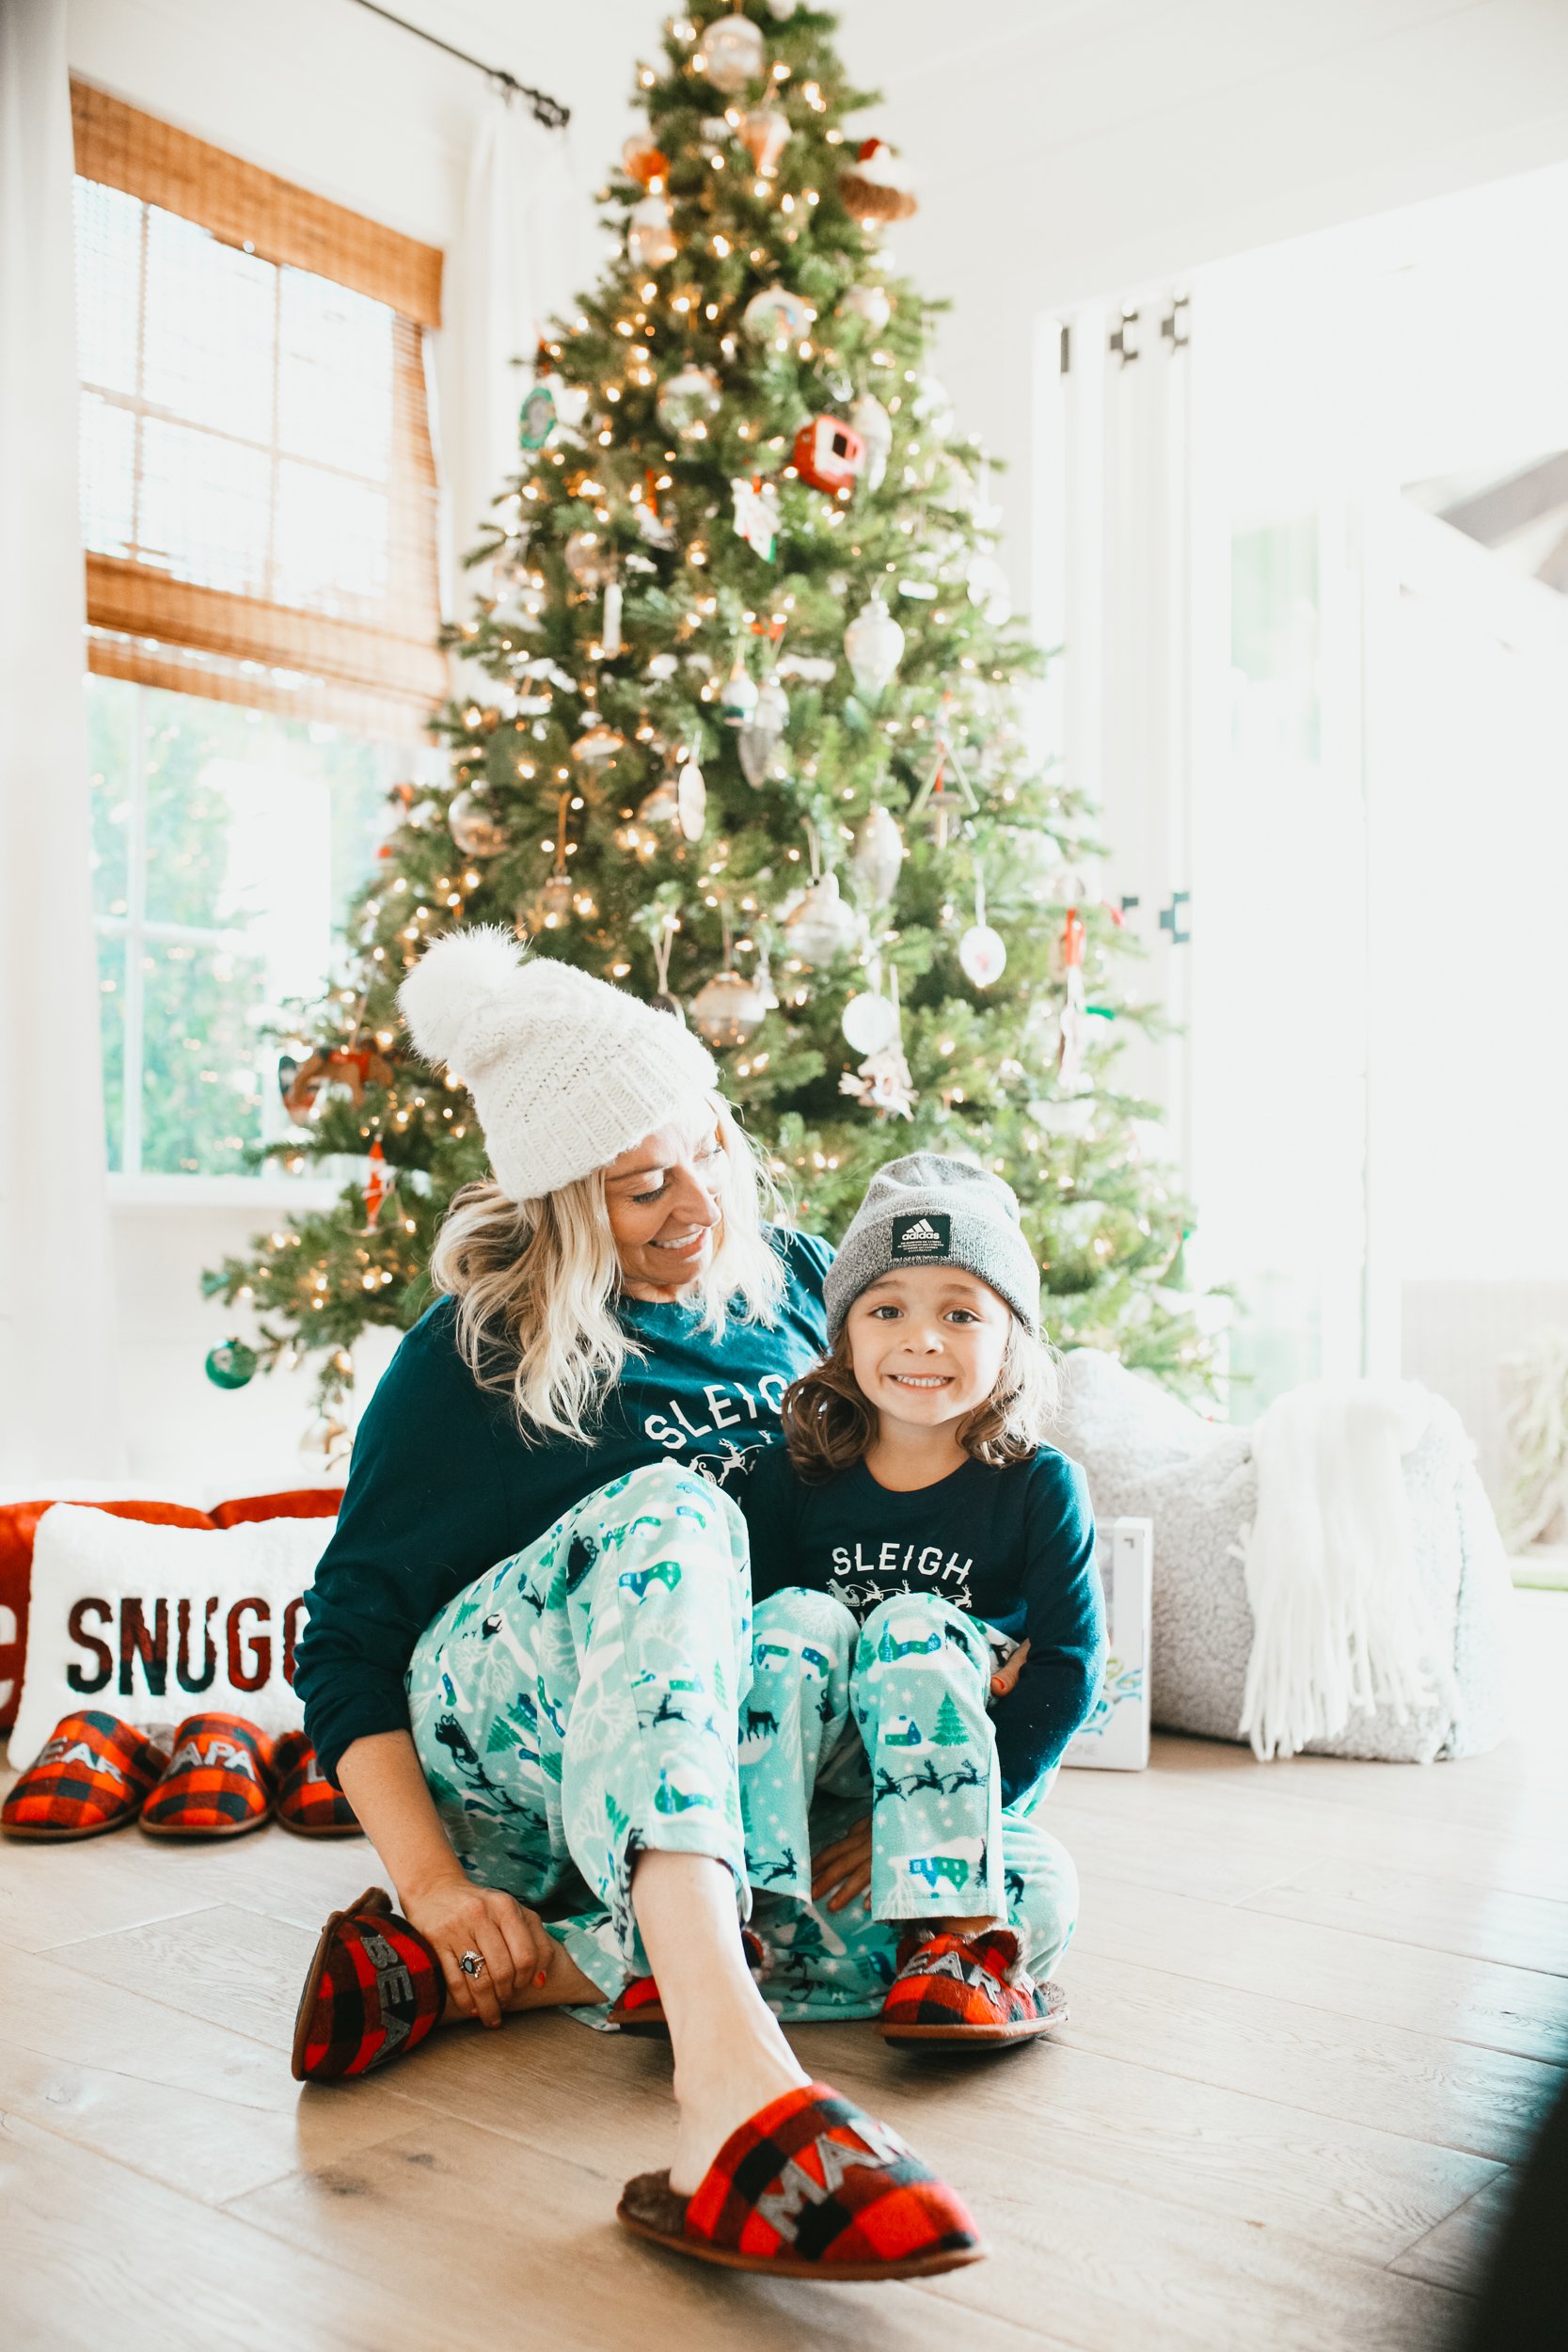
(1316, 2006)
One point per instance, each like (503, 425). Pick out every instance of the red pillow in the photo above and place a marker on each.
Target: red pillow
(18, 1526)
(299, 1502)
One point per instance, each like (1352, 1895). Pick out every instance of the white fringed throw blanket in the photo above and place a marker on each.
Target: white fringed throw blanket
(1340, 1623)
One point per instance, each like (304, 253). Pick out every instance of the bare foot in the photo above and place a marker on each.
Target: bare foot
(736, 2076)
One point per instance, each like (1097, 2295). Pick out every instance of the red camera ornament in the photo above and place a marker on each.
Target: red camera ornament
(829, 453)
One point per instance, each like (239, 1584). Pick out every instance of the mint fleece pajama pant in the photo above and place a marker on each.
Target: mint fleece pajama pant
(579, 1704)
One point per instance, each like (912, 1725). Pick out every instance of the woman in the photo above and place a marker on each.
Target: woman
(617, 1319)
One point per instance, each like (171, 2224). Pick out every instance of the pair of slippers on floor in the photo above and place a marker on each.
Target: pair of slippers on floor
(809, 2188)
(216, 1776)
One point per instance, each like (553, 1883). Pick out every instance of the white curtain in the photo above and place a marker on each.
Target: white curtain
(59, 1407)
(524, 251)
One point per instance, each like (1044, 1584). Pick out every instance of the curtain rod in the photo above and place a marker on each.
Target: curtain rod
(547, 111)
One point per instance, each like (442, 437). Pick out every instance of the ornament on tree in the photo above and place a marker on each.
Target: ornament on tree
(231, 1364)
(882, 1083)
(875, 186)
(537, 418)
(870, 304)
(811, 669)
(734, 52)
(777, 315)
(982, 952)
(767, 993)
(648, 166)
(762, 737)
(869, 1021)
(1071, 1076)
(821, 925)
(756, 514)
(874, 426)
(990, 589)
(662, 941)
(352, 1067)
(739, 697)
(651, 239)
(589, 557)
(728, 1009)
(874, 643)
(687, 400)
(879, 854)
(474, 826)
(554, 903)
(763, 133)
(829, 453)
(597, 744)
(691, 800)
(945, 796)
(378, 1184)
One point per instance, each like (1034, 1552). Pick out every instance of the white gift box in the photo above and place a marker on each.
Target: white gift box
(1115, 1738)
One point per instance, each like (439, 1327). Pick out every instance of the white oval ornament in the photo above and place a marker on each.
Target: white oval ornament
(691, 801)
(874, 644)
(983, 954)
(870, 1023)
(877, 857)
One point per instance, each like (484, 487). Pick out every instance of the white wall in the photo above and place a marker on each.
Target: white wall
(1064, 148)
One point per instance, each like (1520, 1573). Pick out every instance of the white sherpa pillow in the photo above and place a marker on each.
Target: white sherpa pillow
(153, 1624)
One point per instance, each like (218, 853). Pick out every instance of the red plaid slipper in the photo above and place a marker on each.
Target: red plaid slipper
(810, 2188)
(968, 1988)
(639, 2008)
(375, 1990)
(91, 1774)
(306, 1801)
(216, 1784)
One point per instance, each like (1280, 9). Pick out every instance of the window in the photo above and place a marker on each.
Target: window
(257, 508)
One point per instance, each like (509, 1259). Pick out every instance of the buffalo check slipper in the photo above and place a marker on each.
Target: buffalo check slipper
(374, 1990)
(968, 1988)
(306, 1801)
(216, 1784)
(810, 2188)
(91, 1774)
(639, 2008)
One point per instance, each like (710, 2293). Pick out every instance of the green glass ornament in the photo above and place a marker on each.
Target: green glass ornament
(231, 1364)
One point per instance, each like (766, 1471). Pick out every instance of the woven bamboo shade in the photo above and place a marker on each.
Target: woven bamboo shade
(258, 488)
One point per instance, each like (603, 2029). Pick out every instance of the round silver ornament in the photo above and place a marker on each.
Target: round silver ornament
(661, 806)
(821, 925)
(736, 51)
(474, 828)
(874, 644)
(687, 400)
(555, 902)
(728, 1011)
(597, 744)
(878, 857)
(870, 1023)
(589, 557)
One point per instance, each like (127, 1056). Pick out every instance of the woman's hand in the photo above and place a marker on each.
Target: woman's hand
(845, 1865)
(457, 1917)
(1004, 1679)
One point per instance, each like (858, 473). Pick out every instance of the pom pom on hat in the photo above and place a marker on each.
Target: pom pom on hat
(566, 1072)
(455, 976)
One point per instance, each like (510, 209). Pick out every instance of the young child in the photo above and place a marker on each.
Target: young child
(913, 1522)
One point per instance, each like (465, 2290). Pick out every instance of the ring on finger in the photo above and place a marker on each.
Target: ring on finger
(471, 1963)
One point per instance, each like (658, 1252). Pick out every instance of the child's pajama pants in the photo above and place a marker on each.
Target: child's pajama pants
(577, 1705)
(887, 1719)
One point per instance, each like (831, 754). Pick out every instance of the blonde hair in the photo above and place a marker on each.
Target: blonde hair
(535, 1283)
(830, 1425)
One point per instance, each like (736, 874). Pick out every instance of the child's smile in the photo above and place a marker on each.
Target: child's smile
(926, 1344)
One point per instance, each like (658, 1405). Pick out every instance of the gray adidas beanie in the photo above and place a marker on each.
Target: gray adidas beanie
(931, 1210)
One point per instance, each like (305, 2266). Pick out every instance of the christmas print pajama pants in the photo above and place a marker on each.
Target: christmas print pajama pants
(887, 1719)
(579, 1703)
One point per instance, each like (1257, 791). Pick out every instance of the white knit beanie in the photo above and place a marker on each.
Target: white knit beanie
(565, 1071)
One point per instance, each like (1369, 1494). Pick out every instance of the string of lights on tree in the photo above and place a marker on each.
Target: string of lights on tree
(741, 732)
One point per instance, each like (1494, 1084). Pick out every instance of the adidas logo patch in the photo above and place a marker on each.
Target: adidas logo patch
(922, 1235)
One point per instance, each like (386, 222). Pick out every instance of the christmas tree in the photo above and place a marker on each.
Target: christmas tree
(744, 738)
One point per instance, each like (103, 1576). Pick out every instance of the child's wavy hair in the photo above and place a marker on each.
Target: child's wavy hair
(830, 1425)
